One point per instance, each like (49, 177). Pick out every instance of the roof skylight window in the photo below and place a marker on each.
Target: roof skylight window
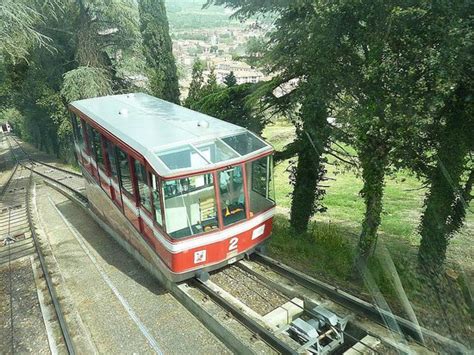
(244, 143)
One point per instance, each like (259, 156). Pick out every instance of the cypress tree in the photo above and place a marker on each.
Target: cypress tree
(197, 83)
(157, 48)
(230, 79)
(211, 84)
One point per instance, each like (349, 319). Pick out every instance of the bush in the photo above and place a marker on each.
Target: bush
(323, 249)
(15, 118)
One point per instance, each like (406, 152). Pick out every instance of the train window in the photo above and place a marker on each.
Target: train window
(86, 134)
(231, 190)
(190, 205)
(271, 180)
(260, 183)
(112, 159)
(96, 146)
(143, 188)
(124, 171)
(244, 143)
(156, 198)
(216, 151)
(182, 157)
(76, 126)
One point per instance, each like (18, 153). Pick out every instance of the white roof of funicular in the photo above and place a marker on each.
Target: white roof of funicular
(151, 125)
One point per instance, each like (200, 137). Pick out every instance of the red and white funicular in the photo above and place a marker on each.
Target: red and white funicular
(194, 192)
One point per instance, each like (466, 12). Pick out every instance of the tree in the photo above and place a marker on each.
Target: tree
(449, 196)
(230, 79)
(157, 48)
(18, 26)
(197, 82)
(211, 84)
(375, 67)
(232, 104)
(448, 166)
(80, 59)
(86, 82)
(295, 56)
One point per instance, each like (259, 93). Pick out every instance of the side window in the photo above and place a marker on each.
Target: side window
(231, 190)
(260, 182)
(96, 146)
(259, 176)
(77, 130)
(156, 199)
(143, 188)
(190, 205)
(124, 171)
(111, 154)
(86, 136)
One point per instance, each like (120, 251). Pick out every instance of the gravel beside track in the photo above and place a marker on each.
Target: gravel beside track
(105, 318)
(247, 289)
(22, 327)
(29, 332)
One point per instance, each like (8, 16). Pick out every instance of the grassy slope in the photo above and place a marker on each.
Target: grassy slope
(402, 203)
(327, 250)
(336, 231)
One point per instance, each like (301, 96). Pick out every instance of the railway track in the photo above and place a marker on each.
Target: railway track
(19, 240)
(344, 322)
(70, 180)
(283, 326)
(298, 302)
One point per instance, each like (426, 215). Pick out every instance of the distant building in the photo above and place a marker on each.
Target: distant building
(243, 72)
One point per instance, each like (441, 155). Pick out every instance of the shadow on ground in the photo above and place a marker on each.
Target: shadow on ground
(110, 251)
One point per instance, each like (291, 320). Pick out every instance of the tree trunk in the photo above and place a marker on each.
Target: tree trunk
(459, 209)
(445, 202)
(312, 138)
(373, 159)
(304, 191)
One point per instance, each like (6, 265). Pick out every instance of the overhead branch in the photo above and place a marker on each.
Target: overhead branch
(331, 152)
(290, 151)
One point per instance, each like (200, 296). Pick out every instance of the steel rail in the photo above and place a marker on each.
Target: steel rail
(49, 283)
(52, 292)
(250, 323)
(351, 302)
(43, 163)
(288, 295)
(77, 193)
(4, 187)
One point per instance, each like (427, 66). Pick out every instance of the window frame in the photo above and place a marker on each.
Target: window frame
(129, 194)
(94, 149)
(220, 226)
(162, 226)
(147, 183)
(245, 191)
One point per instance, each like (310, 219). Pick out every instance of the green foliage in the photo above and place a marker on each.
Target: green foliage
(230, 79)
(312, 136)
(85, 82)
(103, 26)
(19, 22)
(451, 180)
(306, 250)
(197, 83)
(157, 48)
(211, 84)
(14, 117)
(231, 105)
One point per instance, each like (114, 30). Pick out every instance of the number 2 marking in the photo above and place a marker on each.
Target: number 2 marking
(233, 243)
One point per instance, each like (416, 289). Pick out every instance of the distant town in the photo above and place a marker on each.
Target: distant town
(219, 49)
